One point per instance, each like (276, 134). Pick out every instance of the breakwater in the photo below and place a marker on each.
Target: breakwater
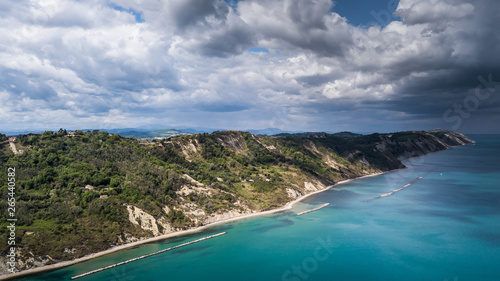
(312, 210)
(145, 256)
(394, 191)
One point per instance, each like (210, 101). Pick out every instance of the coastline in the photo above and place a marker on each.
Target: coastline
(62, 264)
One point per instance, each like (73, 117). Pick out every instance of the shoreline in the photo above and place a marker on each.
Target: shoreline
(63, 264)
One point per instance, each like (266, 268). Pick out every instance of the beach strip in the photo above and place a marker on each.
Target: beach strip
(62, 264)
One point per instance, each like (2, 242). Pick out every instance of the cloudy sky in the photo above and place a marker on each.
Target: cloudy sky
(312, 65)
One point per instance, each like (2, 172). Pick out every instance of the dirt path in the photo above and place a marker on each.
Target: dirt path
(13, 147)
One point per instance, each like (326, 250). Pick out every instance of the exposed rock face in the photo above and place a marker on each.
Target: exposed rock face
(292, 193)
(234, 141)
(189, 149)
(25, 261)
(148, 222)
(310, 187)
(449, 138)
(215, 217)
(189, 189)
(209, 201)
(161, 226)
(421, 144)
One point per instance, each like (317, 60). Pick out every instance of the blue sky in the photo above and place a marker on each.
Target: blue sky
(137, 15)
(367, 12)
(360, 12)
(319, 65)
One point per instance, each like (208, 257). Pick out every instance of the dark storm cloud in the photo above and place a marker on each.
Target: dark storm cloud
(487, 37)
(210, 28)
(191, 61)
(307, 25)
(453, 55)
(227, 43)
(191, 12)
(315, 80)
(309, 15)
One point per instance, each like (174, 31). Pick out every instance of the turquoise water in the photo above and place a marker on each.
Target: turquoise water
(445, 226)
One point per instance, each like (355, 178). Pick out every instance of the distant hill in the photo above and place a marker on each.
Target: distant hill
(302, 134)
(138, 133)
(266, 131)
(344, 135)
(347, 135)
(153, 134)
(271, 132)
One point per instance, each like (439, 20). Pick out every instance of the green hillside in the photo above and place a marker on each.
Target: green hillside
(81, 194)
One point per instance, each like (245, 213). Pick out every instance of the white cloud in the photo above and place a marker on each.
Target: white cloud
(304, 25)
(432, 11)
(93, 64)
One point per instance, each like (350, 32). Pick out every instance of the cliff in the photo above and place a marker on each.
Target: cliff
(86, 192)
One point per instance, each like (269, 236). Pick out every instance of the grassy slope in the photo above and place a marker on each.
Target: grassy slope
(55, 212)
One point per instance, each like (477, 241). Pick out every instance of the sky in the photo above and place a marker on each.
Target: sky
(316, 65)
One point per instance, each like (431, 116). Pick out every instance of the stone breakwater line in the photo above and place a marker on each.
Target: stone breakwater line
(394, 191)
(145, 256)
(312, 210)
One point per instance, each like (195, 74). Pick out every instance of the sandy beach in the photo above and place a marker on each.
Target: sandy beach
(58, 265)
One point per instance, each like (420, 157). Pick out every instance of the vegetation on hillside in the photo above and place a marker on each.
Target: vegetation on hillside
(73, 189)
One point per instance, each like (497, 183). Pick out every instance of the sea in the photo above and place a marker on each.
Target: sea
(444, 226)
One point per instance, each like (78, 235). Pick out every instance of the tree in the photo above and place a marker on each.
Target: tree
(62, 132)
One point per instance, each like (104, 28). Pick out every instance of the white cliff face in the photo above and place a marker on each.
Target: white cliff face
(269, 147)
(310, 187)
(199, 216)
(147, 222)
(161, 226)
(25, 261)
(193, 181)
(292, 193)
(190, 149)
(215, 217)
(189, 189)
(193, 209)
(142, 219)
(234, 142)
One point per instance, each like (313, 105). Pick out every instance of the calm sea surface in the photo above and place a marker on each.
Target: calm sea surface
(445, 226)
